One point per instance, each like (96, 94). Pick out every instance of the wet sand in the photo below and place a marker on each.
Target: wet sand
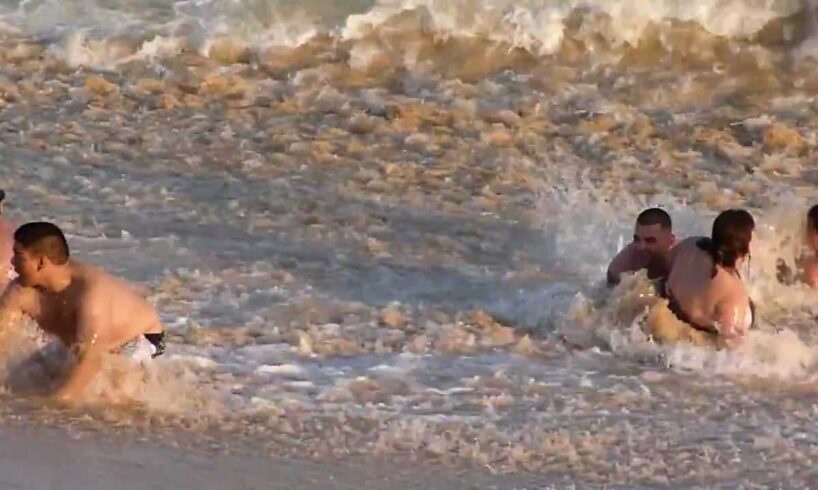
(40, 458)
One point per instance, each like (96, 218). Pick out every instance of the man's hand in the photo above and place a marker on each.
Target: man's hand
(88, 355)
(88, 365)
(625, 261)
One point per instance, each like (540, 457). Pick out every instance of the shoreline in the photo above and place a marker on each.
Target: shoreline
(51, 457)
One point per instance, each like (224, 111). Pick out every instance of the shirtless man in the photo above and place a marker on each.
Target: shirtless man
(6, 246)
(806, 264)
(88, 311)
(704, 289)
(810, 264)
(652, 240)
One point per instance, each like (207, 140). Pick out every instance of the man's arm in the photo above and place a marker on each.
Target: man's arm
(811, 272)
(623, 262)
(12, 306)
(89, 353)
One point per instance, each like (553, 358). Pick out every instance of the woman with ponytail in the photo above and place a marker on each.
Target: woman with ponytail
(705, 291)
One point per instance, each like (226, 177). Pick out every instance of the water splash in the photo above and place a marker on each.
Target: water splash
(411, 33)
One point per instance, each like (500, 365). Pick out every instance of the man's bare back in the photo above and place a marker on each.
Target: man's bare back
(704, 290)
(708, 299)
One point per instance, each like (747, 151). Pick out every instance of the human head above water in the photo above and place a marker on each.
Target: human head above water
(731, 237)
(39, 248)
(653, 232)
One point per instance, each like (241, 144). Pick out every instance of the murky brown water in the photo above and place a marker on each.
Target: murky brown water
(371, 228)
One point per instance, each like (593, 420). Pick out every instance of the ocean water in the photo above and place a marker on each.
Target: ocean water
(381, 228)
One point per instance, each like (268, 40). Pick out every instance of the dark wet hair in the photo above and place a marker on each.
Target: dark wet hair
(730, 239)
(43, 239)
(655, 216)
(812, 217)
(2, 195)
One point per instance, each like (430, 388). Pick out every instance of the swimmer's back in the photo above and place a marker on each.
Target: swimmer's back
(692, 283)
(120, 314)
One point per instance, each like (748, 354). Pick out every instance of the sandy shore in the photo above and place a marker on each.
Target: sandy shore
(50, 458)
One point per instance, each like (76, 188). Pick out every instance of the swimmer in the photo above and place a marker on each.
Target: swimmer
(810, 263)
(652, 241)
(704, 288)
(806, 264)
(87, 310)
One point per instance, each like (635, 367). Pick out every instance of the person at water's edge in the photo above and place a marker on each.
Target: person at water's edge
(89, 311)
(806, 264)
(704, 288)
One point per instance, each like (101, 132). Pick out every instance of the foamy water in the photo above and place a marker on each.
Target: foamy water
(383, 227)
(412, 33)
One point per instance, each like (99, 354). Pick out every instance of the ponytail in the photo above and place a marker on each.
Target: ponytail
(732, 232)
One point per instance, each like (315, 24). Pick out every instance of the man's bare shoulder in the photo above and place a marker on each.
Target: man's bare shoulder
(94, 276)
(96, 282)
